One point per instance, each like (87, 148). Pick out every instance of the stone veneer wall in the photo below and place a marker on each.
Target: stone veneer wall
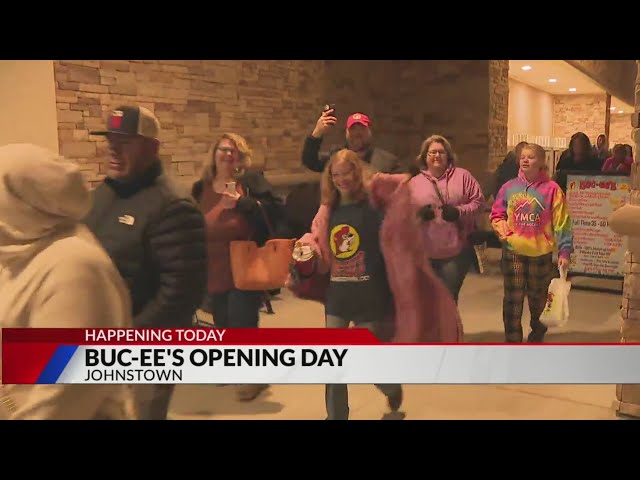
(274, 104)
(579, 113)
(498, 111)
(268, 102)
(620, 129)
(616, 76)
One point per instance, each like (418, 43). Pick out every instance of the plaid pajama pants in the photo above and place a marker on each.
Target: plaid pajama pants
(528, 276)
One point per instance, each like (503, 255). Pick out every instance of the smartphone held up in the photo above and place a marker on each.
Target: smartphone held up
(231, 188)
(330, 107)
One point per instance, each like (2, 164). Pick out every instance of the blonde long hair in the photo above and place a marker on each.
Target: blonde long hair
(209, 170)
(330, 195)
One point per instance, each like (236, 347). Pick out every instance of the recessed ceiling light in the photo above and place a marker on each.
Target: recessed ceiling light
(552, 80)
(572, 89)
(526, 67)
(620, 111)
(612, 108)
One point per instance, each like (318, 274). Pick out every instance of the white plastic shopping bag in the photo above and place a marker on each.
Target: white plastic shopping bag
(556, 310)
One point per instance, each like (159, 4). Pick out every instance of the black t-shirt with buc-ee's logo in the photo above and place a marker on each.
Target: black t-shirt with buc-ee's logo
(358, 286)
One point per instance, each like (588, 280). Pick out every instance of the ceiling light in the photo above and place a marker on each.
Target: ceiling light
(612, 108)
(620, 111)
(526, 68)
(572, 89)
(552, 80)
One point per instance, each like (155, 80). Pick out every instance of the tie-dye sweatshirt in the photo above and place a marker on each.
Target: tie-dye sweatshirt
(532, 217)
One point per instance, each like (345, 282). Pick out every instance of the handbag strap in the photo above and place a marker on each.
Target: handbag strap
(265, 217)
(435, 186)
(438, 192)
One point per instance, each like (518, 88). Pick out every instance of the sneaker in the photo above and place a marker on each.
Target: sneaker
(536, 337)
(246, 393)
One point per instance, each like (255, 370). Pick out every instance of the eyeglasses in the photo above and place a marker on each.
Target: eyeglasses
(433, 153)
(228, 150)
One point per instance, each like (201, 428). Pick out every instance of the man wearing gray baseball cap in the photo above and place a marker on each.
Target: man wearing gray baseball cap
(154, 235)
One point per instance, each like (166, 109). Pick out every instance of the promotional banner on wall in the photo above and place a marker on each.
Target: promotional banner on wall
(591, 199)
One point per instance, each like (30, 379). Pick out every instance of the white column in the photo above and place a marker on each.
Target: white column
(28, 112)
(626, 221)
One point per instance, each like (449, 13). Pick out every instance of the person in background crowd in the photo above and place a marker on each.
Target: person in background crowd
(359, 140)
(531, 218)
(509, 168)
(451, 201)
(601, 148)
(153, 233)
(620, 162)
(54, 274)
(579, 157)
(230, 196)
(629, 150)
(565, 153)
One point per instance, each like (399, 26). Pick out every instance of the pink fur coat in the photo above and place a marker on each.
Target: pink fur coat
(425, 311)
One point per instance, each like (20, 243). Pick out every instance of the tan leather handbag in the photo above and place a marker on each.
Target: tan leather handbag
(261, 268)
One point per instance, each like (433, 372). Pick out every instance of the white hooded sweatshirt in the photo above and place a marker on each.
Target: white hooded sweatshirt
(54, 274)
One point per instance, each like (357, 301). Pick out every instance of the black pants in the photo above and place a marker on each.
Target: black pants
(235, 308)
(452, 271)
(152, 401)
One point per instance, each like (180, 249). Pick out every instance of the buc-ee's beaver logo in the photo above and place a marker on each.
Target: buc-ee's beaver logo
(344, 241)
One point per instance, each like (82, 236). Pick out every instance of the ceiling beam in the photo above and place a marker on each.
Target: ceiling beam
(617, 77)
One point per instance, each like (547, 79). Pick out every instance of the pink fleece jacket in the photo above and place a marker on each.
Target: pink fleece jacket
(459, 189)
(425, 311)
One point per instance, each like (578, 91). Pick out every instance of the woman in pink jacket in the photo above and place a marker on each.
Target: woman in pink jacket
(451, 200)
(368, 241)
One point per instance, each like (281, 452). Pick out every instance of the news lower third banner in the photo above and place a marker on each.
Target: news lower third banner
(297, 356)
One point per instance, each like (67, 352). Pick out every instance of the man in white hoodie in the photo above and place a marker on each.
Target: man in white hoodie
(54, 274)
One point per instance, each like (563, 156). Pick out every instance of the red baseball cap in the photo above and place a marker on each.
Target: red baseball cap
(360, 118)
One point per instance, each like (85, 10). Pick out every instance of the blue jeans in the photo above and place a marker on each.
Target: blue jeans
(235, 308)
(452, 271)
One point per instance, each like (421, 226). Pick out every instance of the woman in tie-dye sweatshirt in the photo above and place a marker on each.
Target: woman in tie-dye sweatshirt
(531, 218)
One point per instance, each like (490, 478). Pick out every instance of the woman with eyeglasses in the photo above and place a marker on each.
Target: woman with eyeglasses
(450, 200)
(228, 196)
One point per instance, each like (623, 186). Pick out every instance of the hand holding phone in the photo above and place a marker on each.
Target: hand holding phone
(230, 196)
(326, 121)
(330, 107)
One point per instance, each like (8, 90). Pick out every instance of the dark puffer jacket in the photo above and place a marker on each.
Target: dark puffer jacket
(155, 236)
(379, 159)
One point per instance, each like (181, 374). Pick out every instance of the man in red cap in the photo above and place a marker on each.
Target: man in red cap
(358, 139)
